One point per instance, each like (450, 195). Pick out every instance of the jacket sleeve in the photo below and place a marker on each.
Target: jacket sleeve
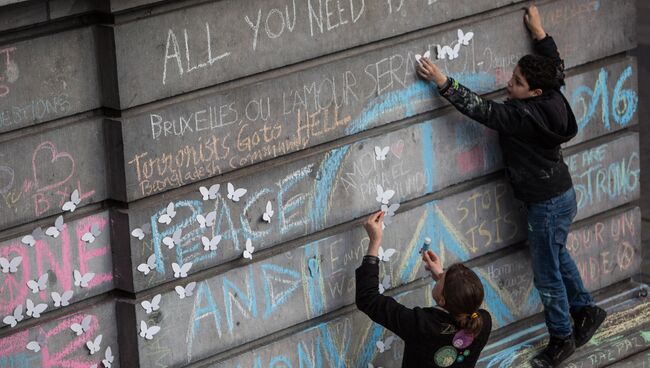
(383, 309)
(547, 47)
(505, 118)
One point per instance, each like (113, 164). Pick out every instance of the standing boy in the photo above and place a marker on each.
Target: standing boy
(532, 124)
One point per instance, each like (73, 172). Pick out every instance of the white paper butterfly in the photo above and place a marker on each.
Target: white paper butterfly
(464, 38)
(34, 310)
(181, 271)
(209, 193)
(10, 266)
(389, 211)
(175, 239)
(268, 213)
(140, 232)
(167, 217)
(39, 285)
(383, 196)
(90, 236)
(62, 300)
(235, 194)
(55, 230)
(74, 201)
(386, 344)
(150, 265)
(385, 255)
(153, 305)
(427, 55)
(94, 345)
(83, 327)
(148, 332)
(82, 280)
(208, 220)
(248, 252)
(185, 291)
(108, 358)
(448, 51)
(384, 284)
(31, 239)
(380, 153)
(16, 317)
(210, 244)
(34, 346)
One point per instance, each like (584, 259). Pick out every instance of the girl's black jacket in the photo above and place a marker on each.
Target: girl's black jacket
(427, 332)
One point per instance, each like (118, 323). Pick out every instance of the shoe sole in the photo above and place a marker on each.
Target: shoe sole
(599, 321)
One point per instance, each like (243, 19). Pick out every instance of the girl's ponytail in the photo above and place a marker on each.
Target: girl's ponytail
(463, 292)
(472, 323)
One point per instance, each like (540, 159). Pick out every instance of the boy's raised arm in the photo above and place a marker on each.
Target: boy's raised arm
(544, 44)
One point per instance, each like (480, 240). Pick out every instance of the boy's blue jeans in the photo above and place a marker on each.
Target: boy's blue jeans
(557, 278)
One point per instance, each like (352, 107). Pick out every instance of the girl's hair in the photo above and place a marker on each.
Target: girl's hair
(463, 292)
(541, 72)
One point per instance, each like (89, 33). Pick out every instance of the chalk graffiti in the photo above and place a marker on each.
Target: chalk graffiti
(58, 257)
(622, 106)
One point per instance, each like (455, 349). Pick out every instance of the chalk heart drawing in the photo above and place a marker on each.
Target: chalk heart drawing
(397, 148)
(62, 161)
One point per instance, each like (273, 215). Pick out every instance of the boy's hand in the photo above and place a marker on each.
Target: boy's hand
(374, 230)
(534, 22)
(433, 264)
(429, 71)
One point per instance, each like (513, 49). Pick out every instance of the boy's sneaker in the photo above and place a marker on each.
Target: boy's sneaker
(585, 323)
(557, 350)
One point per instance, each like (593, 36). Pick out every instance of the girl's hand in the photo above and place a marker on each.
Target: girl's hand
(429, 71)
(373, 228)
(534, 22)
(433, 264)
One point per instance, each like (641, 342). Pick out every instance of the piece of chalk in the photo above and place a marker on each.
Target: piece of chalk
(425, 247)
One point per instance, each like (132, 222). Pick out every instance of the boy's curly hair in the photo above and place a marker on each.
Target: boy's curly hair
(541, 72)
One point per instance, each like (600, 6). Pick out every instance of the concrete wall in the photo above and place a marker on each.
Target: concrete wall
(139, 104)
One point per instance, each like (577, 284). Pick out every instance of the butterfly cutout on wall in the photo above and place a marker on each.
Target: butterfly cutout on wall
(383, 196)
(235, 194)
(175, 239)
(248, 252)
(181, 270)
(268, 213)
(148, 332)
(153, 305)
(208, 220)
(62, 300)
(38, 285)
(140, 232)
(210, 244)
(169, 214)
(55, 230)
(82, 280)
(10, 266)
(74, 201)
(17, 316)
(185, 291)
(90, 236)
(150, 265)
(94, 345)
(34, 310)
(83, 327)
(209, 193)
(37, 234)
